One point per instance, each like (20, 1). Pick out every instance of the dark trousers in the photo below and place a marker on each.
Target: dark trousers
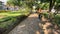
(40, 16)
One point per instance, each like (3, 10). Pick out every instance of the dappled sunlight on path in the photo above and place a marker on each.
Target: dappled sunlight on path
(32, 25)
(28, 26)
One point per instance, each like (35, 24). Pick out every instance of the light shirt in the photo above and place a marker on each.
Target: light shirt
(53, 10)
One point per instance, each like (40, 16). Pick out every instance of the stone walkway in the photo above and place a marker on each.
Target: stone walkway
(28, 26)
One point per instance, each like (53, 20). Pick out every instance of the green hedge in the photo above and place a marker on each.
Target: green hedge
(43, 6)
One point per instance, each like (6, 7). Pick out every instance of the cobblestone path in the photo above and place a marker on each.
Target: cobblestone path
(28, 26)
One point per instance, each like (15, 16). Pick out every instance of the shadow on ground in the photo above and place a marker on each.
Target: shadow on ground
(31, 25)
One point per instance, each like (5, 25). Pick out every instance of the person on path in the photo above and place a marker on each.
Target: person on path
(39, 11)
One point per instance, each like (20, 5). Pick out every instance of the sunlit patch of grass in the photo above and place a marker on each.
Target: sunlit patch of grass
(10, 17)
(13, 13)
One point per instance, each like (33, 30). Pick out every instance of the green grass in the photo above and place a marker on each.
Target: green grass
(6, 19)
(10, 17)
(7, 23)
(13, 13)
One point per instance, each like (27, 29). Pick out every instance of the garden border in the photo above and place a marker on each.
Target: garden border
(11, 27)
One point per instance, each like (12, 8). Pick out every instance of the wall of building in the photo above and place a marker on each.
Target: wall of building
(1, 5)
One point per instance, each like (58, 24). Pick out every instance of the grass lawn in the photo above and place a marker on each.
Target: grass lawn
(8, 18)
(13, 13)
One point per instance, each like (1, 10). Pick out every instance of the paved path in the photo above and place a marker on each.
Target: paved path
(28, 26)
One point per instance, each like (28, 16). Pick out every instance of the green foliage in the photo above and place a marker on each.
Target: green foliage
(46, 15)
(7, 23)
(14, 2)
(57, 19)
(11, 18)
(5, 19)
(58, 1)
(44, 5)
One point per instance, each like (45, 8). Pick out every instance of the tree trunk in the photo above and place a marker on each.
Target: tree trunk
(50, 6)
(52, 2)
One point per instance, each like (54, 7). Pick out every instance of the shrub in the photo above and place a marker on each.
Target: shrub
(46, 15)
(54, 18)
(57, 19)
(43, 6)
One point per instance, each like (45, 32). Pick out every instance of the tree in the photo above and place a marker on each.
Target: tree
(29, 3)
(52, 2)
(15, 2)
